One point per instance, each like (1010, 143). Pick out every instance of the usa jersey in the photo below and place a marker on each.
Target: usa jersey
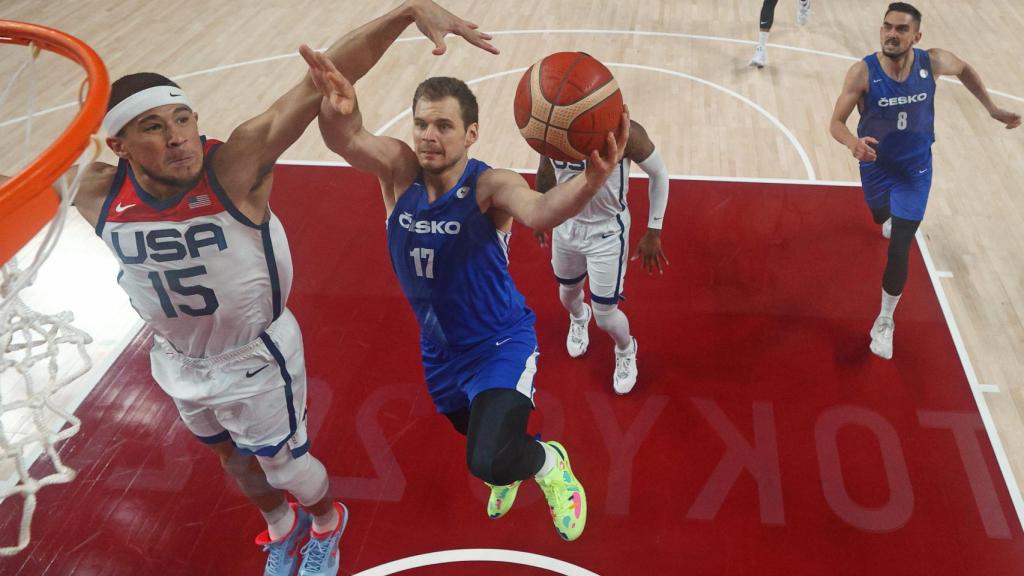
(900, 115)
(452, 264)
(201, 274)
(609, 201)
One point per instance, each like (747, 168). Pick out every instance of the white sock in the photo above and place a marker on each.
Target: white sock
(889, 303)
(279, 521)
(328, 522)
(572, 299)
(762, 39)
(549, 461)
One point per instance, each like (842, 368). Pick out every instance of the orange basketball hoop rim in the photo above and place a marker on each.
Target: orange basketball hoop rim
(26, 201)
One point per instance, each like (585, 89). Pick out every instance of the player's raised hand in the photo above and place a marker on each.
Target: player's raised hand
(435, 22)
(599, 166)
(332, 84)
(1011, 119)
(865, 149)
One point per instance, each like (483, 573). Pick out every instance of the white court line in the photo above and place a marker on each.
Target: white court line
(989, 388)
(522, 32)
(771, 118)
(478, 555)
(972, 379)
(943, 273)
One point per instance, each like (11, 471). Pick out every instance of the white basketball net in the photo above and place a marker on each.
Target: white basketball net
(34, 346)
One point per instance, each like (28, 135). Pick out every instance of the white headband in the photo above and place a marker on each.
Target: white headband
(138, 103)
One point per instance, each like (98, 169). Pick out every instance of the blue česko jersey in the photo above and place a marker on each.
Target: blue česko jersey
(900, 115)
(452, 264)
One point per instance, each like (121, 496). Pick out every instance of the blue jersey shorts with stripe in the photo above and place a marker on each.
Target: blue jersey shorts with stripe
(508, 360)
(905, 190)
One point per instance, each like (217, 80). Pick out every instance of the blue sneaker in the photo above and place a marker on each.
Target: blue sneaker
(284, 552)
(320, 556)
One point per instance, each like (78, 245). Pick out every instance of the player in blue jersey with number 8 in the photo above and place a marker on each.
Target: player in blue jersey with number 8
(894, 90)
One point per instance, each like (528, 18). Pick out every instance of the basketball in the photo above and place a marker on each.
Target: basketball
(566, 104)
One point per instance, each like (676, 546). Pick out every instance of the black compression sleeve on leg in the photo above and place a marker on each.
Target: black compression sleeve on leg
(768, 14)
(880, 215)
(895, 276)
(498, 449)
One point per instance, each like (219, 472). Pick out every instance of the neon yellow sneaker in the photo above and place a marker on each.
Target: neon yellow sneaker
(501, 499)
(566, 497)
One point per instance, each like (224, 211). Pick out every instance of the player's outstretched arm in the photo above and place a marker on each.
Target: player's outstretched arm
(545, 181)
(250, 152)
(641, 150)
(507, 191)
(946, 63)
(341, 126)
(854, 87)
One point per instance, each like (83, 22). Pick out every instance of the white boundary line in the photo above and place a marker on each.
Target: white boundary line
(808, 167)
(986, 417)
(478, 555)
(522, 32)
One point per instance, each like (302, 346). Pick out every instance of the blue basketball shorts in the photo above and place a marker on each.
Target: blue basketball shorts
(905, 191)
(508, 360)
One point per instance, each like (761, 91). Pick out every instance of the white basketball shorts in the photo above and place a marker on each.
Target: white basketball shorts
(254, 395)
(598, 250)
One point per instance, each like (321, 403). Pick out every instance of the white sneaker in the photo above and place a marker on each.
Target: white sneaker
(579, 334)
(625, 370)
(760, 58)
(881, 337)
(887, 229)
(803, 11)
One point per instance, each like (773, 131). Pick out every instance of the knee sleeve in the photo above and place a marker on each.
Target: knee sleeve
(895, 276)
(613, 321)
(571, 296)
(305, 477)
(498, 450)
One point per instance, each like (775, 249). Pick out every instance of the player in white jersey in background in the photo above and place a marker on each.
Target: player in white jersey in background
(207, 266)
(803, 14)
(595, 243)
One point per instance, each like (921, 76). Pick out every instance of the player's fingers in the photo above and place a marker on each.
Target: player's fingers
(309, 55)
(613, 148)
(624, 125)
(480, 41)
(338, 84)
